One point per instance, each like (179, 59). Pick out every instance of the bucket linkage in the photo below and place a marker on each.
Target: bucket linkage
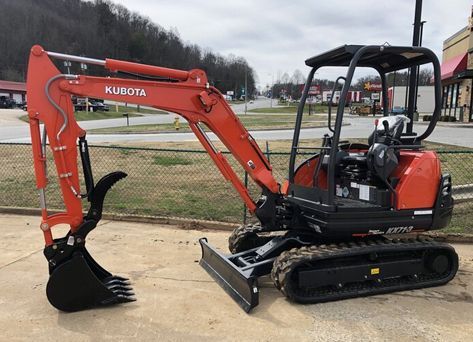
(76, 280)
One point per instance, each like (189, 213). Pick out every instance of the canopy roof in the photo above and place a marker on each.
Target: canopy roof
(383, 58)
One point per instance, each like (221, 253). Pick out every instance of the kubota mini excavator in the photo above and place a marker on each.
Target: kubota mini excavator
(321, 234)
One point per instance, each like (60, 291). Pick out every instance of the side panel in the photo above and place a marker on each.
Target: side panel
(304, 174)
(419, 174)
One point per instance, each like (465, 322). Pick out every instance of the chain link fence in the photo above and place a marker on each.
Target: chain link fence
(184, 183)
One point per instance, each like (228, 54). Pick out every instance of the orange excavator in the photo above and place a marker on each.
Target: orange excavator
(322, 235)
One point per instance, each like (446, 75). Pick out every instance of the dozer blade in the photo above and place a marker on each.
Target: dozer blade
(80, 283)
(240, 285)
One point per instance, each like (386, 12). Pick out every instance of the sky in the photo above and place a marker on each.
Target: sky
(278, 36)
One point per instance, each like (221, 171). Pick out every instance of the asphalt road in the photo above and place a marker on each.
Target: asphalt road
(357, 128)
(178, 301)
(14, 130)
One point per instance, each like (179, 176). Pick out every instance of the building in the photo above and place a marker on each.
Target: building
(457, 74)
(425, 98)
(352, 96)
(13, 90)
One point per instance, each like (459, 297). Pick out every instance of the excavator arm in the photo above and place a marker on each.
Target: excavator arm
(186, 93)
(76, 280)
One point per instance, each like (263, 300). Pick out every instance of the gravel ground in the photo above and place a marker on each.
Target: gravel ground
(177, 300)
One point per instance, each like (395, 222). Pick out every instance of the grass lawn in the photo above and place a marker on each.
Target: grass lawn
(253, 122)
(292, 108)
(186, 184)
(459, 164)
(112, 114)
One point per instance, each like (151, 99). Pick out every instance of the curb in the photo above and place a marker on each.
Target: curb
(446, 124)
(203, 225)
(181, 223)
(187, 132)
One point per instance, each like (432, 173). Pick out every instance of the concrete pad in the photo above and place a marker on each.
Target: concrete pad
(178, 301)
(11, 117)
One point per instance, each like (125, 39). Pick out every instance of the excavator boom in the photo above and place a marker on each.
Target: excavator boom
(186, 93)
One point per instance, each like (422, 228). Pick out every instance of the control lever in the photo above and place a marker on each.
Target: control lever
(386, 126)
(386, 132)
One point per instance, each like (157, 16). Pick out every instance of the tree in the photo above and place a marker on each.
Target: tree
(298, 77)
(103, 29)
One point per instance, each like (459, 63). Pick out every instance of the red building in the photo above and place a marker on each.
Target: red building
(13, 90)
(457, 74)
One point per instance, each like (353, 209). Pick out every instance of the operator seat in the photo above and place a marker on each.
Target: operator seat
(395, 127)
(381, 158)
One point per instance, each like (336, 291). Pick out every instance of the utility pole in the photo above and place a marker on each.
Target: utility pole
(394, 89)
(246, 88)
(67, 64)
(418, 67)
(83, 66)
(413, 70)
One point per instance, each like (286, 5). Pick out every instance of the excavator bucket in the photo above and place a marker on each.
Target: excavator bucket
(76, 280)
(80, 283)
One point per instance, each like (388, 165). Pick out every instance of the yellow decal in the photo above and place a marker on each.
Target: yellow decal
(374, 271)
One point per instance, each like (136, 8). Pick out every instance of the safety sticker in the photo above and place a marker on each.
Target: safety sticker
(422, 212)
(364, 192)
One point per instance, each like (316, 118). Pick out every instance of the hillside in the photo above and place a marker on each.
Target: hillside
(102, 29)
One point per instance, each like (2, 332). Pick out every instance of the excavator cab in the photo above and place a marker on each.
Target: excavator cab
(372, 178)
(328, 237)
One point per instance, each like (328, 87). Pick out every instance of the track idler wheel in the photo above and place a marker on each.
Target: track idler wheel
(245, 237)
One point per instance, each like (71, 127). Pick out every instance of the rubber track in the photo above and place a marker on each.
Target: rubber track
(289, 260)
(244, 234)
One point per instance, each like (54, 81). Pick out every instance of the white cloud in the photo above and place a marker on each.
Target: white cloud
(277, 36)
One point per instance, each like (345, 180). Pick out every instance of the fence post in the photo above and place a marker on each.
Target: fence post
(267, 152)
(244, 205)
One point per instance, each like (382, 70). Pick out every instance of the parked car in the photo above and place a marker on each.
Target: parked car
(94, 105)
(81, 106)
(22, 105)
(6, 102)
(100, 106)
(398, 110)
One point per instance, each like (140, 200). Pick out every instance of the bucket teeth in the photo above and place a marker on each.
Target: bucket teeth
(117, 285)
(119, 298)
(119, 288)
(117, 278)
(113, 281)
(124, 293)
(87, 283)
